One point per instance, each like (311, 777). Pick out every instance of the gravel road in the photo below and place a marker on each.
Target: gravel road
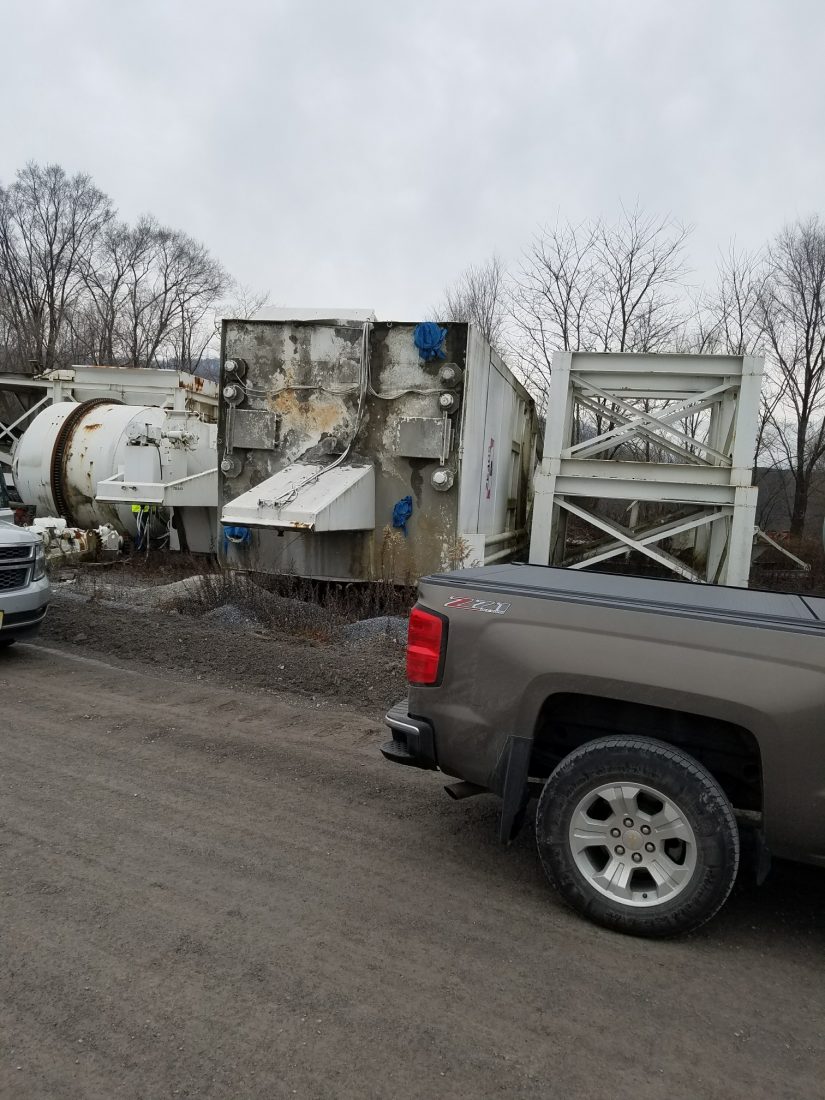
(206, 892)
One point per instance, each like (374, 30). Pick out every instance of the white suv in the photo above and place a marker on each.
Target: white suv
(24, 586)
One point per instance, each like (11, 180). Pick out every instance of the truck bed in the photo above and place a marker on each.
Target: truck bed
(776, 610)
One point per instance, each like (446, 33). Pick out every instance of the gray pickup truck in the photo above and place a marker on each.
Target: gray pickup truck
(661, 725)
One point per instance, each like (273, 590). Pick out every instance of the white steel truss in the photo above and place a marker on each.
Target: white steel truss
(705, 476)
(128, 385)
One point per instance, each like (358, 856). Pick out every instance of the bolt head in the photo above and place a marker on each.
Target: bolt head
(628, 822)
(619, 850)
(637, 857)
(646, 830)
(650, 847)
(442, 478)
(615, 832)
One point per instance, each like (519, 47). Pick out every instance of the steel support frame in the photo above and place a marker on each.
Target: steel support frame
(131, 385)
(7, 431)
(711, 475)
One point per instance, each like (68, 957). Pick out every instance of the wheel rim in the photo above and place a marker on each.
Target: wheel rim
(633, 844)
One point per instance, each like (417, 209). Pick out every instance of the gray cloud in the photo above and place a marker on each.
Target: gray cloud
(362, 153)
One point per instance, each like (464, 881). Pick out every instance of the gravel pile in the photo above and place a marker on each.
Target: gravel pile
(387, 626)
(369, 676)
(230, 615)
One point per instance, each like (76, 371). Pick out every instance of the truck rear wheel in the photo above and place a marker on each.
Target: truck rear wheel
(638, 836)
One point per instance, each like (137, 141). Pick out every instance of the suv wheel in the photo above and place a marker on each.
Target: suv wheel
(638, 836)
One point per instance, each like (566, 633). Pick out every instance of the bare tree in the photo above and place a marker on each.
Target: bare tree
(49, 225)
(478, 296)
(199, 284)
(640, 271)
(151, 295)
(730, 320)
(599, 287)
(793, 315)
(115, 277)
(553, 296)
(245, 302)
(736, 305)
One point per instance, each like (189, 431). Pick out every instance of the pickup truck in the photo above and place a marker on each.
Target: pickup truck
(662, 725)
(24, 586)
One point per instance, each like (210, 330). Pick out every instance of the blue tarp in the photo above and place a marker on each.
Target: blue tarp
(402, 512)
(428, 338)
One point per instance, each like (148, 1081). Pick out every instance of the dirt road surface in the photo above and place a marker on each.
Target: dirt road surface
(212, 893)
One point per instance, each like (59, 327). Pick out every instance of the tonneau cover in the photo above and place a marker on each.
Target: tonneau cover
(542, 580)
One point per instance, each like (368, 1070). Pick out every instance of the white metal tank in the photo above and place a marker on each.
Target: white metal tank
(95, 462)
(70, 447)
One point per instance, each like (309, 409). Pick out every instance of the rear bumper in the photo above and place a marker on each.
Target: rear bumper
(413, 739)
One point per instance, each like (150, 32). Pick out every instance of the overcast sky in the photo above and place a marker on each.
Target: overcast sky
(361, 153)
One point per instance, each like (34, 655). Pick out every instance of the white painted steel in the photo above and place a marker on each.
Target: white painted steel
(310, 497)
(105, 471)
(713, 473)
(98, 444)
(497, 449)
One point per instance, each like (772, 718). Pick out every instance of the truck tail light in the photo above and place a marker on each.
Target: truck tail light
(426, 643)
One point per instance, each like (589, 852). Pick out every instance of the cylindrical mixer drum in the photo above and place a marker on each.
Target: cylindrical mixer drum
(69, 448)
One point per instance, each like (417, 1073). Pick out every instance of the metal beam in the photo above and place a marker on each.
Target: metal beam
(629, 542)
(8, 429)
(712, 471)
(629, 426)
(645, 537)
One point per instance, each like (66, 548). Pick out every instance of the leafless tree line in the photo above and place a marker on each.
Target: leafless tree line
(77, 285)
(597, 286)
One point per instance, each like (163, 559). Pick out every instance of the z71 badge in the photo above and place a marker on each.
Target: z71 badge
(467, 603)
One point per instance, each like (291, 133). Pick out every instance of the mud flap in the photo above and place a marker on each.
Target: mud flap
(763, 858)
(511, 782)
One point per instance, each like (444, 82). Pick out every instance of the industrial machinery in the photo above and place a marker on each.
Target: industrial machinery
(352, 449)
(62, 543)
(133, 449)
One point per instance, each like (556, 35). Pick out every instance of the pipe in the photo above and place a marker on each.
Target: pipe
(507, 552)
(505, 536)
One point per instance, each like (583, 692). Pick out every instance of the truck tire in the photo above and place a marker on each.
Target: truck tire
(638, 836)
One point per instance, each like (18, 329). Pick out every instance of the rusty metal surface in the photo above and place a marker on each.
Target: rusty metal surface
(419, 437)
(256, 429)
(131, 385)
(309, 375)
(65, 493)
